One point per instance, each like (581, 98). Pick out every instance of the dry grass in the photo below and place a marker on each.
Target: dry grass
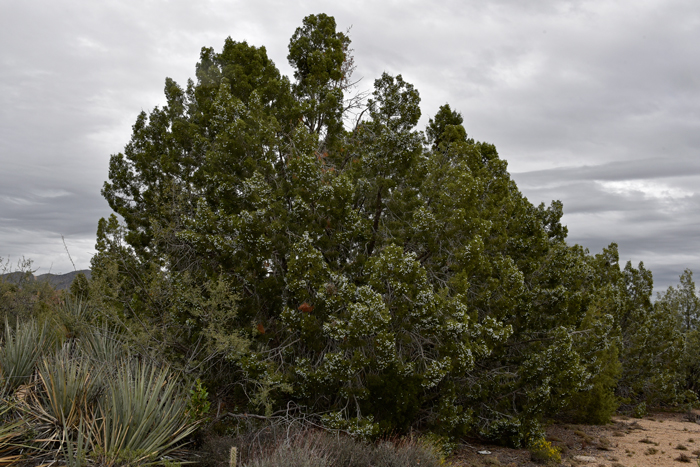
(314, 448)
(648, 441)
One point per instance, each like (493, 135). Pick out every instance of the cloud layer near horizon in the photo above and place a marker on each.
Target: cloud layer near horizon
(595, 103)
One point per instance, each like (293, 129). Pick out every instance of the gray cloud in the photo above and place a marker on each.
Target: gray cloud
(641, 169)
(591, 102)
(650, 210)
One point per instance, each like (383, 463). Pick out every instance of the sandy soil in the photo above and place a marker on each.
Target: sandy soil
(662, 439)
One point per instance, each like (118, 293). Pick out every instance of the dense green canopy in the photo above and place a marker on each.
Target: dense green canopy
(382, 276)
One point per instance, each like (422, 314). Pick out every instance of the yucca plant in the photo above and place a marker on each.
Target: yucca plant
(21, 349)
(102, 345)
(11, 433)
(89, 396)
(142, 417)
(75, 452)
(66, 391)
(72, 317)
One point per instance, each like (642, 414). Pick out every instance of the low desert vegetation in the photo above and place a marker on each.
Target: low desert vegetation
(86, 400)
(289, 243)
(317, 448)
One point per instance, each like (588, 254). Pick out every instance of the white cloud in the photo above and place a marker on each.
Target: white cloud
(648, 188)
(49, 193)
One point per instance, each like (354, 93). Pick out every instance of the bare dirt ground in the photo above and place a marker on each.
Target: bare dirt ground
(661, 439)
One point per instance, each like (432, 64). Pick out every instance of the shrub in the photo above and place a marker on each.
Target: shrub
(22, 297)
(72, 317)
(21, 348)
(542, 451)
(198, 406)
(12, 432)
(322, 449)
(389, 281)
(640, 410)
(66, 392)
(102, 345)
(141, 416)
(88, 402)
(80, 287)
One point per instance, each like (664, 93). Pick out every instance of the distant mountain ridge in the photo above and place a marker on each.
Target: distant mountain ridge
(58, 281)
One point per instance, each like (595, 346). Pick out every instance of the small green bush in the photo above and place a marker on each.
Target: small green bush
(640, 410)
(22, 297)
(80, 287)
(542, 451)
(198, 406)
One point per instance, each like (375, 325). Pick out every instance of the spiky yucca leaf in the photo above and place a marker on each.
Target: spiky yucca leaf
(21, 349)
(72, 317)
(11, 433)
(101, 344)
(75, 452)
(65, 393)
(142, 416)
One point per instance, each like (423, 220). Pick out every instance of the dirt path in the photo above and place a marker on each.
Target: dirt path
(662, 439)
(659, 440)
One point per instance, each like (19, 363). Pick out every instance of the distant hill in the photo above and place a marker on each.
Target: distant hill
(58, 281)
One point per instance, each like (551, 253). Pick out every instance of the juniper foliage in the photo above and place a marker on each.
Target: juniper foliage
(365, 271)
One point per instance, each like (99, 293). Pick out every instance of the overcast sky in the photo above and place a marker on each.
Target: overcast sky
(595, 103)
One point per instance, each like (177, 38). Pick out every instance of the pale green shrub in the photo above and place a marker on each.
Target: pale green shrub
(21, 348)
(142, 415)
